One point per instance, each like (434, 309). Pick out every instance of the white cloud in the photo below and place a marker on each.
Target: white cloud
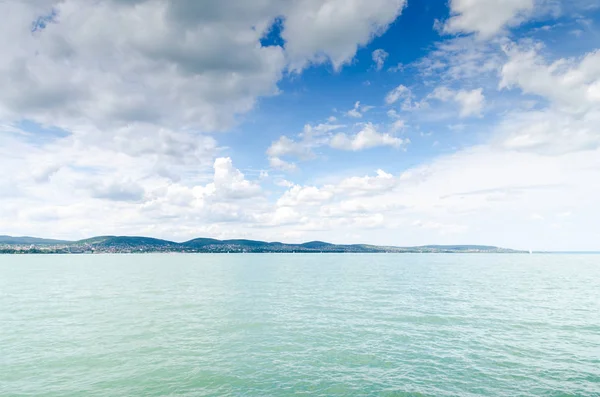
(398, 68)
(489, 18)
(393, 114)
(358, 110)
(572, 85)
(471, 102)
(230, 182)
(279, 164)
(315, 131)
(462, 59)
(98, 191)
(155, 75)
(366, 108)
(286, 146)
(311, 137)
(379, 56)
(359, 185)
(469, 196)
(121, 67)
(367, 138)
(317, 30)
(324, 135)
(570, 121)
(549, 132)
(398, 125)
(120, 145)
(355, 112)
(442, 93)
(397, 93)
(283, 183)
(304, 195)
(405, 95)
(464, 197)
(486, 17)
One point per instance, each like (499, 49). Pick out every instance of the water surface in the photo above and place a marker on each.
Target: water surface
(282, 325)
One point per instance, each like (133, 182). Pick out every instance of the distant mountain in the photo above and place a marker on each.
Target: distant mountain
(201, 242)
(317, 245)
(9, 240)
(123, 244)
(134, 242)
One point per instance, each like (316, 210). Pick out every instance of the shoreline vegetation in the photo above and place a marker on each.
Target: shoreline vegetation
(129, 244)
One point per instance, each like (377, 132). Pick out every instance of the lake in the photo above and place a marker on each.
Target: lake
(289, 324)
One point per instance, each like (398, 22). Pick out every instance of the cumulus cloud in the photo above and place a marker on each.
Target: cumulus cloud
(322, 135)
(141, 82)
(304, 195)
(489, 18)
(486, 17)
(157, 75)
(122, 94)
(120, 140)
(332, 30)
(230, 183)
(160, 74)
(366, 138)
(455, 197)
(539, 161)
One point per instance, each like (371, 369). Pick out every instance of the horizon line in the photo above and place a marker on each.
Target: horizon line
(58, 240)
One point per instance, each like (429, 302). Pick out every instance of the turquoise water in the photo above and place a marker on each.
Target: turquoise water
(317, 325)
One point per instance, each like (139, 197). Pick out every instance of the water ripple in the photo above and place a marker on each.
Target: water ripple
(318, 325)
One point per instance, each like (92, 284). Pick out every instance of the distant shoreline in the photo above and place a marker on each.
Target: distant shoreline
(136, 245)
(29, 253)
(276, 253)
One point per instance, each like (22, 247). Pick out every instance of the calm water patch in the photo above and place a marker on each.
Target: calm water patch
(282, 325)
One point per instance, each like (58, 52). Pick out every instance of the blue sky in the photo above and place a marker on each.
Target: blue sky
(376, 121)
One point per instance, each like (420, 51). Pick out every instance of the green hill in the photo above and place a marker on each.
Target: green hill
(115, 244)
(134, 241)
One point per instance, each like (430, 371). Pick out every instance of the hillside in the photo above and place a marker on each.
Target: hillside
(127, 244)
(9, 240)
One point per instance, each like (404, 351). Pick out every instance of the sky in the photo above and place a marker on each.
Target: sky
(391, 122)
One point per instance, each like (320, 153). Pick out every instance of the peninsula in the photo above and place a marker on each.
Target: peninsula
(129, 244)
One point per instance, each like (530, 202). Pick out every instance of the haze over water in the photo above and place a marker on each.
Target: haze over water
(318, 325)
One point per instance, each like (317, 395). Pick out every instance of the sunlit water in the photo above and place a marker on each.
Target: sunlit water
(318, 325)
